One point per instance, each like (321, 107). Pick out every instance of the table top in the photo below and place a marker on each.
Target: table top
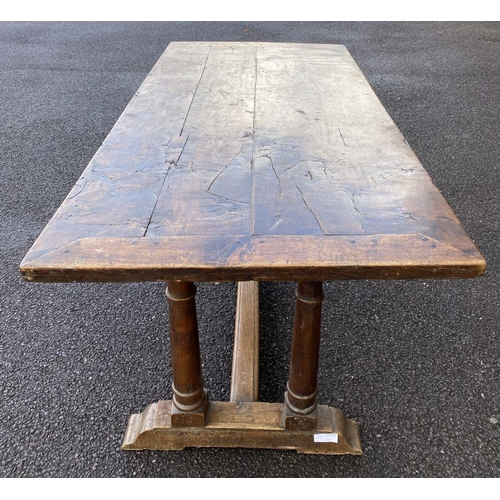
(239, 161)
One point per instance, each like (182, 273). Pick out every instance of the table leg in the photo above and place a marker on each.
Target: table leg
(189, 396)
(189, 420)
(300, 409)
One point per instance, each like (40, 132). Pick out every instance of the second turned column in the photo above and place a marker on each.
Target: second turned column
(300, 412)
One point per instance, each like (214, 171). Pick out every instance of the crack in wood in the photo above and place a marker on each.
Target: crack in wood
(405, 215)
(275, 173)
(279, 217)
(195, 90)
(182, 151)
(343, 140)
(157, 198)
(73, 195)
(354, 205)
(304, 161)
(224, 169)
(228, 199)
(308, 207)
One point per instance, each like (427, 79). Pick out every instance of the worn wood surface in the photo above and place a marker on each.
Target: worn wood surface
(245, 425)
(189, 396)
(245, 369)
(240, 161)
(302, 388)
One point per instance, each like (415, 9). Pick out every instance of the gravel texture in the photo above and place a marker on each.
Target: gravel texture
(416, 363)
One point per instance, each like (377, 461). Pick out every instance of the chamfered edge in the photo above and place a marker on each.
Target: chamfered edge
(261, 258)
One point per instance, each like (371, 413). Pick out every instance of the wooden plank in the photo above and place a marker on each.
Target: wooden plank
(263, 258)
(208, 190)
(243, 425)
(245, 370)
(119, 189)
(328, 157)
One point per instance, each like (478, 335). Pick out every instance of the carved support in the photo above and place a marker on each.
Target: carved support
(189, 420)
(300, 412)
(189, 396)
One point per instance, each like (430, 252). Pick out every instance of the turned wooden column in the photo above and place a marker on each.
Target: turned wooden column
(300, 412)
(189, 396)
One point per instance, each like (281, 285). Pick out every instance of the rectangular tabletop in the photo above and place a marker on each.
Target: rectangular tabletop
(240, 161)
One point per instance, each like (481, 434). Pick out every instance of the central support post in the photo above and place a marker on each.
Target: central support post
(300, 412)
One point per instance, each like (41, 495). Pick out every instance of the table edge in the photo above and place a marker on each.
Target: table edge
(261, 258)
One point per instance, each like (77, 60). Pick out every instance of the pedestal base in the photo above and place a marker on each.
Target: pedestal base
(242, 425)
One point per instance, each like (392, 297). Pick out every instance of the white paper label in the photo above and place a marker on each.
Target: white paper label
(326, 438)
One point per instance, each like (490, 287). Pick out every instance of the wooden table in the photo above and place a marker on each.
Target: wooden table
(251, 162)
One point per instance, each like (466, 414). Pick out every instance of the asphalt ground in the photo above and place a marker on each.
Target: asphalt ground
(415, 363)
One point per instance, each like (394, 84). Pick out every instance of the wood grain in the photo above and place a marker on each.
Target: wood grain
(281, 258)
(245, 368)
(228, 145)
(209, 188)
(189, 396)
(244, 425)
(301, 399)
